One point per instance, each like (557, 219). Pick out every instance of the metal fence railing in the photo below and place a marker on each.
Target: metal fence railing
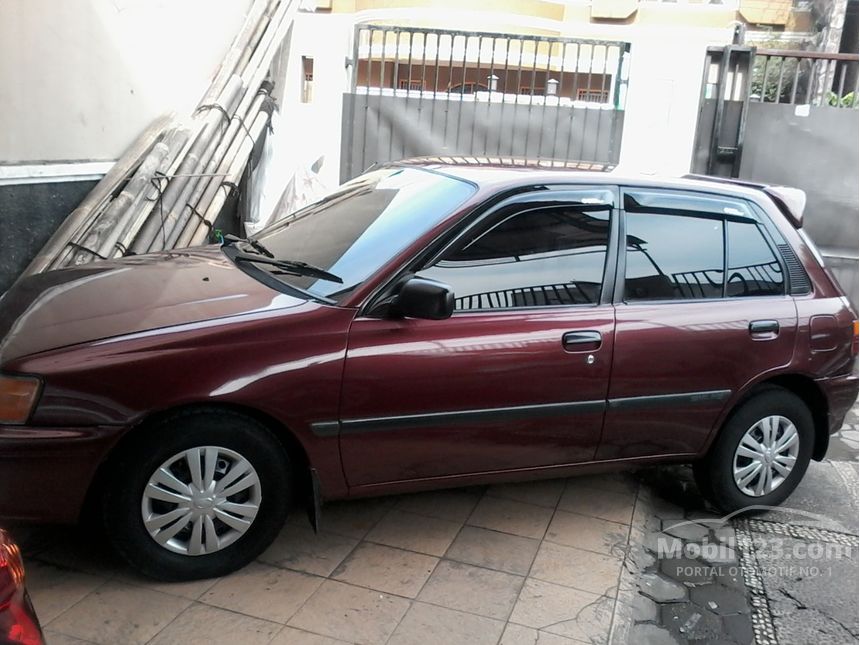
(418, 91)
(808, 78)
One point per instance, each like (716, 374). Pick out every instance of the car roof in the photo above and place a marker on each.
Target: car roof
(511, 172)
(485, 171)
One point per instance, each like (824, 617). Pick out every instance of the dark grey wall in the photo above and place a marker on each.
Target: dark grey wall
(818, 153)
(29, 214)
(380, 128)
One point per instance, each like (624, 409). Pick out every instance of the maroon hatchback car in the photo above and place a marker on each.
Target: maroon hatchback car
(432, 323)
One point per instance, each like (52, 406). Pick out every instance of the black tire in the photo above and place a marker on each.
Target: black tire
(715, 474)
(144, 453)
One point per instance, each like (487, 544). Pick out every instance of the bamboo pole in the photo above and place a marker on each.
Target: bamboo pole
(234, 173)
(252, 77)
(176, 193)
(134, 191)
(237, 48)
(97, 196)
(205, 188)
(107, 223)
(117, 243)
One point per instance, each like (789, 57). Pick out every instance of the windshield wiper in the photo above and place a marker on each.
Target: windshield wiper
(291, 266)
(254, 244)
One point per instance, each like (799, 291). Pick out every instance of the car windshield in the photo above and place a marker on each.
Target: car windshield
(352, 232)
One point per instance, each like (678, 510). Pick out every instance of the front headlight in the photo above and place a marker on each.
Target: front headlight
(18, 396)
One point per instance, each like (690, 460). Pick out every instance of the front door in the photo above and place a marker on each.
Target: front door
(703, 310)
(517, 378)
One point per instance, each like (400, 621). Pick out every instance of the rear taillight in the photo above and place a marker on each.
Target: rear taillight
(18, 623)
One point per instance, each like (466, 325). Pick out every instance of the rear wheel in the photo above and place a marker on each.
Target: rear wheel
(761, 453)
(198, 496)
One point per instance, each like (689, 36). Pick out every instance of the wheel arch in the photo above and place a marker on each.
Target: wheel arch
(806, 389)
(293, 448)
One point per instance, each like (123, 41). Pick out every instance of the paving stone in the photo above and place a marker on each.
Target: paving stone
(660, 589)
(118, 613)
(350, 613)
(589, 533)
(520, 635)
(414, 532)
(667, 510)
(739, 627)
(607, 505)
(706, 517)
(658, 542)
(651, 635)
(494, 550)
(455, 504)
(644, 609)
(725, 534)
(293, 636)
(540, 493)
(686, 530)
(686, 570)
(618, 482)
(56, 638)
(719, 599)
(263, 591)
(386, 569)
(53, 589)
(690, 622)
(564, 611)
(473, 589)
(297, 547)
(722, 556)
(641, 558)
(353, 518)
(574, 567)
(508, 516)
(202, 625)
(424, 624)
(731, 577)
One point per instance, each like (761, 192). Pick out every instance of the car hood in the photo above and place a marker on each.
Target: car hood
(117, 297)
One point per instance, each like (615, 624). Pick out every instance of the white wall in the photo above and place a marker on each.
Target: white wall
(80, 79)
(313, 130)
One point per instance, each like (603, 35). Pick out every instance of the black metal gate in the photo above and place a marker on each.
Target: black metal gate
(788, 117)
(437, 92)
(739, 80)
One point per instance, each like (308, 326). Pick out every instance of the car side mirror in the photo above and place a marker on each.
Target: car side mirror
(423, 298)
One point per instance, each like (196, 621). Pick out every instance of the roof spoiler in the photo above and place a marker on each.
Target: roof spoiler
(791, 201)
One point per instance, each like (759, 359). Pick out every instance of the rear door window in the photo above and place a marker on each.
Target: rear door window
(673, 257)
(692, 247)
(753, 267)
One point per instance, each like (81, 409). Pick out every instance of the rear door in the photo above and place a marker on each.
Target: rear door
(701, 310)
(517, 377)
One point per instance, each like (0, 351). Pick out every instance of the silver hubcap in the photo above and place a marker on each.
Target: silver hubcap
(201, 500)
(765, 456)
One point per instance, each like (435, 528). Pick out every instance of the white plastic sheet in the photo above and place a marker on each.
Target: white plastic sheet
(282, 182)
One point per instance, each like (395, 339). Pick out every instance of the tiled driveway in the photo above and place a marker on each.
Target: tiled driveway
(522, 563)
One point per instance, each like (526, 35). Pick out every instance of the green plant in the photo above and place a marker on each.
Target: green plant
(834, 100)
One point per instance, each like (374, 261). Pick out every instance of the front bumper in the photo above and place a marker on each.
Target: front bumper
(45, 473)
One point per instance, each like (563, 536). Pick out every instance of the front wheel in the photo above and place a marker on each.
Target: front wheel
(761, 453)
(198, 496)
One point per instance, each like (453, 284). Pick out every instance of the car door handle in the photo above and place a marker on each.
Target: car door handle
(581, 340)
(764, 327)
